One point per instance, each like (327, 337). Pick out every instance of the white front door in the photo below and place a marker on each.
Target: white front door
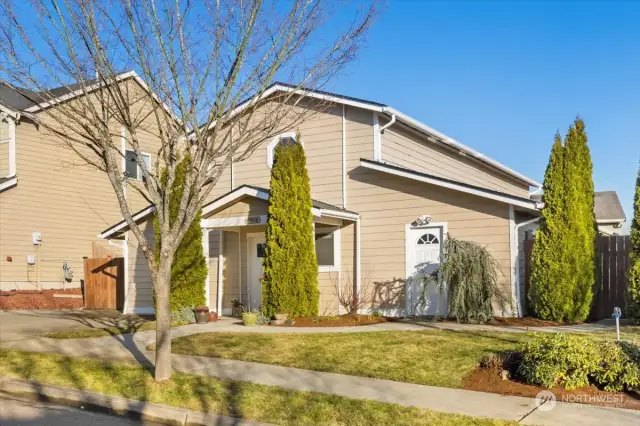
(255, 248)
(424, 249)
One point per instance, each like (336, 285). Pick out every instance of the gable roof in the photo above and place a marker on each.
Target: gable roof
(319, 208)
(21, 99)
(607, 207)
(390, 112)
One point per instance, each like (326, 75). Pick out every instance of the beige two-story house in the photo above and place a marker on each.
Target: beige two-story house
(53, 205)
(387, 191)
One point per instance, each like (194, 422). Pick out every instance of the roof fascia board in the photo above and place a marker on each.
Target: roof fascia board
(338, 215)
(612, 221)
(459, 146)
(10, 112)
(123, 224)
(233, 196)
(450, 185)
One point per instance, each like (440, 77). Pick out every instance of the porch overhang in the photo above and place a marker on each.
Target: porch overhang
(319, 209)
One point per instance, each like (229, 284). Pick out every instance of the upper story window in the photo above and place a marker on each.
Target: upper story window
(285, 139)
(131, 167)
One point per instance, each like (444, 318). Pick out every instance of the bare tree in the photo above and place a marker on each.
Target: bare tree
(196, 63)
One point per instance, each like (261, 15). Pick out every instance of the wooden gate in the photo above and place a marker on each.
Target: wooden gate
(104, 283)
(612, 264)
(612, 258)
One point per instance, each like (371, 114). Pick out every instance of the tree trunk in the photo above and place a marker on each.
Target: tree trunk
(163, 367)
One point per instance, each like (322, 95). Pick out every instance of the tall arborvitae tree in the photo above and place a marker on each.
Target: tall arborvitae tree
(634, 267)
(290, 283)
(549, 293)
(189, 268)
(581, 228)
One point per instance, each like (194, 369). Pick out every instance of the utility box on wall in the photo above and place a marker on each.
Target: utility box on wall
(31, 259)
(36, 238)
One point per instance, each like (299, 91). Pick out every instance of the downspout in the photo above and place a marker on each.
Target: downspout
(386, 126)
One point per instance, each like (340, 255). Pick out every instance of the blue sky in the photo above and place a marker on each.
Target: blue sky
(503, 77)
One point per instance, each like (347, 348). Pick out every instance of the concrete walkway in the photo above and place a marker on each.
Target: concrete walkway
(132, 349)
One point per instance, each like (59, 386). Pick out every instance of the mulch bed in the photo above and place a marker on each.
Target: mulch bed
(338, 321)
(523, 322)
(43, 299)
(484, 380)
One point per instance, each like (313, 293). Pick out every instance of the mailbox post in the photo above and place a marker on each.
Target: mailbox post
(617, 313)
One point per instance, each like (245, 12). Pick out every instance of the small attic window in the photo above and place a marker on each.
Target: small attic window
(285, 139)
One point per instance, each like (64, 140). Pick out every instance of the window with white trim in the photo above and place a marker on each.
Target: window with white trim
(132, 170)
(327, 241)
(285, 139)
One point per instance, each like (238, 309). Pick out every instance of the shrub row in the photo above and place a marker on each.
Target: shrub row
(571, 361)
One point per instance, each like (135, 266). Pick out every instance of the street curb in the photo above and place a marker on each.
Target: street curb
(93, 401)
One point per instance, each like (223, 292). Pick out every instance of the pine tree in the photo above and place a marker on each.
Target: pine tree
(290, 283)
(634, 267)
(548, 292)
(189, 268)
(581, 229)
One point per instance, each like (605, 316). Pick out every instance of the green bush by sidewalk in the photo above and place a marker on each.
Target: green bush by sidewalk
(572, 361)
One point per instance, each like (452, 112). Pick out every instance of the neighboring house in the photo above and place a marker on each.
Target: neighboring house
(46, 189)
(610, 215)
(387, 192)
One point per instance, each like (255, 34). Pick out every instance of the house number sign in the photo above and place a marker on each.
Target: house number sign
(254, 220)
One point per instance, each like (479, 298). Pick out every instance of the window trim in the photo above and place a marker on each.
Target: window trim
(336, 251)
(275, 141)
(138, 170)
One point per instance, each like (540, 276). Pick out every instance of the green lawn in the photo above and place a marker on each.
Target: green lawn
(123, 328)
(239, 399)
(430, 357)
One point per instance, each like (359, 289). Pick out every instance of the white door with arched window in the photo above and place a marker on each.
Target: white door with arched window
(423, 253)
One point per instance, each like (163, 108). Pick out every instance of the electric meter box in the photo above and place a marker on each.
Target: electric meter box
(36, 238)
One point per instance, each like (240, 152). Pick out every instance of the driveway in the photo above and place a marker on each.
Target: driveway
(20, 325)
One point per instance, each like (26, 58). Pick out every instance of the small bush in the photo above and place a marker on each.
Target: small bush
(184, 314)
(569, 361)
(559, 359)
(619, 368)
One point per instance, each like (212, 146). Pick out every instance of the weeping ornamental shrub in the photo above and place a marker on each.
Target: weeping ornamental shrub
(290, 283)
(189, 269)
(471, 277)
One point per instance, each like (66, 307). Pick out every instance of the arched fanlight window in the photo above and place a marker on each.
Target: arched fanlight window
(428, 239)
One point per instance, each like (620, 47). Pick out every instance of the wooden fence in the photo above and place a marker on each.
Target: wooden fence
(612, 264)
(104, 283)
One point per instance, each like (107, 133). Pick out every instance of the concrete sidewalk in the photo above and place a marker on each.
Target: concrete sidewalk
(132, 349)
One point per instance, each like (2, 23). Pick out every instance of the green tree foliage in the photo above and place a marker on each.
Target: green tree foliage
(189, 268)
(563, 259)
(634, 269)
(549, 292)
(290, 283)
(581, 228)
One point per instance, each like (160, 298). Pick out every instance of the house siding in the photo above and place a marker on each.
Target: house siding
(139, 294)
(405, 148)
(65, 200)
